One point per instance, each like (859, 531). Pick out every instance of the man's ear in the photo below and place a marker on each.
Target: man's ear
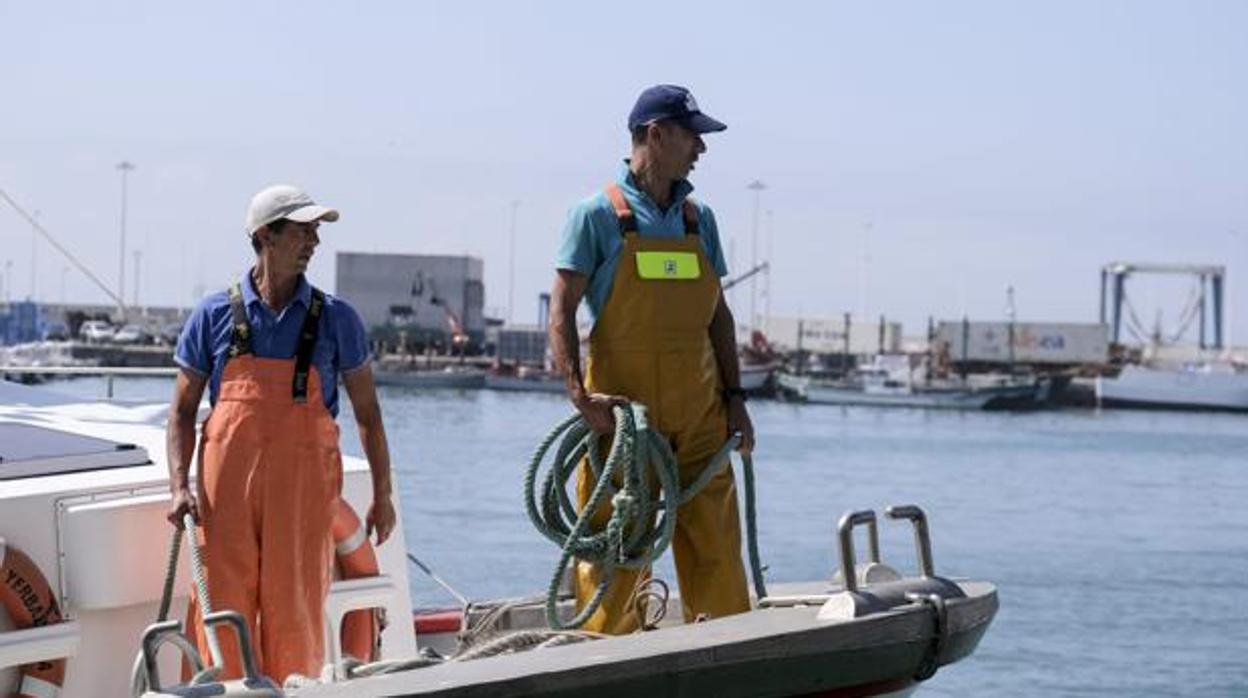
(654, 133)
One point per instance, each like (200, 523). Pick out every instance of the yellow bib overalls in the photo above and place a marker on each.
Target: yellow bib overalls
(652, 344)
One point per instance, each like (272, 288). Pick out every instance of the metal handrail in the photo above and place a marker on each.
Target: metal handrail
(108, 372)
(94, 370)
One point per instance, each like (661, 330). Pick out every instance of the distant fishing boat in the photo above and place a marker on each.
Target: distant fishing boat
(523, 380)
(445, 377)
(880, 385)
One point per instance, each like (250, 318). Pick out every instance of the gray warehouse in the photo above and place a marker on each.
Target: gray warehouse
(420, 294)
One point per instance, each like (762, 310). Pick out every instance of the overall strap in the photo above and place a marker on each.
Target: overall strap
(307, 343)
(628, 223)
(240, 339)
(691, 217)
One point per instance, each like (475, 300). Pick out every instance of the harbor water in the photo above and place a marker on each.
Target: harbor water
(1118, 539)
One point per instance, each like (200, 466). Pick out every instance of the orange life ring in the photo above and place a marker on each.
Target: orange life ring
(29, 601)
(361, 630)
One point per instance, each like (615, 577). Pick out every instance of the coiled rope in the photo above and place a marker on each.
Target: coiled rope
(629, 540)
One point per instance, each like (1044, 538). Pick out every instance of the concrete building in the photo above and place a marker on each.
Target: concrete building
(421, 296)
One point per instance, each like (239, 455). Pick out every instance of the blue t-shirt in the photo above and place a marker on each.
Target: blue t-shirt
(341, 343)
(591, 239)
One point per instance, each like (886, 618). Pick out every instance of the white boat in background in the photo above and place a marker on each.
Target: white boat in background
(757, 377)
(1214, 385)
(83, 494)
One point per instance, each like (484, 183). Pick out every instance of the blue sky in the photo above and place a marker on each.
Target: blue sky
(920, 157)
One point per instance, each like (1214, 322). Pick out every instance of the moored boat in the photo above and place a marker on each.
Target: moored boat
(1190, 386)
(83, 494)
(523, 379)
(446, 377)
(875, 388)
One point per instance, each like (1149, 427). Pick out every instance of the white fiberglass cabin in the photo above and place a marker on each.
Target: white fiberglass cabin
(83, 493)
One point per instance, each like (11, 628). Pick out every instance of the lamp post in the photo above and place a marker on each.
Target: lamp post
(34, 255)
(138, 257)
(8, 281)
(124, 167)
(1010, 314)
(511, 262)
(771, 238)
(1229, 342)
(757, 187)
(866, 267)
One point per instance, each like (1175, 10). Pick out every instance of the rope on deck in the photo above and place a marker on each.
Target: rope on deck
(633, 538)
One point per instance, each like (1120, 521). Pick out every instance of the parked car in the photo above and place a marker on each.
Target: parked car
(96, 331)
(170, 333)
(131, 334)
(55, 332)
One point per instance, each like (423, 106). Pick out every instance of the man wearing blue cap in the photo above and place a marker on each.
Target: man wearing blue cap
(648, 260)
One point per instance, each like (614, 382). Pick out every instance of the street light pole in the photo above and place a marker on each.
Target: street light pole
(511, 263)
(125, 168)
(138, 256)
(771, 260)
(757, 187)
(1229, 342)
(866, 267)
(1009, 313)
(34, 256)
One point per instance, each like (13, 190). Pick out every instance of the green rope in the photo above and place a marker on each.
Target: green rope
(629, 539)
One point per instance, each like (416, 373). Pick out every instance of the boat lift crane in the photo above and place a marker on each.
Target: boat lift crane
(1210, 275)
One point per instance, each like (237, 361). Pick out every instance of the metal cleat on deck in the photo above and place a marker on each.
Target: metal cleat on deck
(865, 596)
(252, 685)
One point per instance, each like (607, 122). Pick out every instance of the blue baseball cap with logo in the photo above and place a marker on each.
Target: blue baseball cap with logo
(671, 103)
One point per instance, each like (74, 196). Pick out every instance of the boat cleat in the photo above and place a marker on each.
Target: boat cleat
(862, 595)
(252, 685)
(872, 571)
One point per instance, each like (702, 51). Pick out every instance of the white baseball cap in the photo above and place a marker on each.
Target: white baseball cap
(284, 201)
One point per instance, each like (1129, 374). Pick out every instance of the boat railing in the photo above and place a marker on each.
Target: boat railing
(109, 373)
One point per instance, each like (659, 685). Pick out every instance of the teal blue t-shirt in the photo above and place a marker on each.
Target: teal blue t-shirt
(591, 239)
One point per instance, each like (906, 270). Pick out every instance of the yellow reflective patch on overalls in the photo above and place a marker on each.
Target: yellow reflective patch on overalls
(680, 266)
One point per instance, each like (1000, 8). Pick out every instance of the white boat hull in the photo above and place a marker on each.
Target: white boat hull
(1201, 389)
(792, 650)
(755, 378)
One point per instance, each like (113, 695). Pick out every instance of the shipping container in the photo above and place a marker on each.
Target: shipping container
(1034, 342)
(827, 335)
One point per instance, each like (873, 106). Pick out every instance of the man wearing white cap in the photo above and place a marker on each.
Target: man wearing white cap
(270, 350)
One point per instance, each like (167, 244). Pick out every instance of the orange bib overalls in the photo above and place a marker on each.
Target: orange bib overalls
(269, 474)
(651, 343)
